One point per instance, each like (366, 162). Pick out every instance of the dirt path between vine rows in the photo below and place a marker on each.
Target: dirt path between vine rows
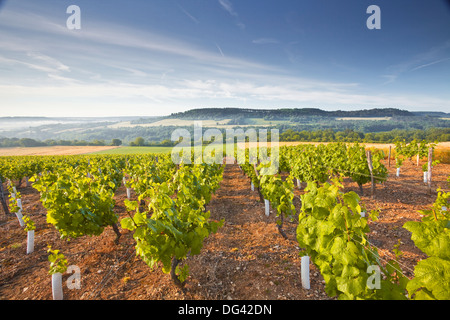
(246, 259)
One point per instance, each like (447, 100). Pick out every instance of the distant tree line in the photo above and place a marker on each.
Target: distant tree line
(320, 135)
(329, 135)
(349, 135)
(27, 142)
(140, 142)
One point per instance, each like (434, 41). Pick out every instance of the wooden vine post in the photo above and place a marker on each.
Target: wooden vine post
(389, 157)
(430, 159)
(369, 162)
(3, 199)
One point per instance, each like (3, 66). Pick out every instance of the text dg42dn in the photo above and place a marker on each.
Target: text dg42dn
(235, 309)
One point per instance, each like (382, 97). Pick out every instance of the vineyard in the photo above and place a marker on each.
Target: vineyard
(141, 227)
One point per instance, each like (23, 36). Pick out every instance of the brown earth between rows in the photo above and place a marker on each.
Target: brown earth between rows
(246, 259)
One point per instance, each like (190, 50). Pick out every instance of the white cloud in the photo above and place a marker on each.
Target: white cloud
(113, 66)
(198, 92)
(95, 54)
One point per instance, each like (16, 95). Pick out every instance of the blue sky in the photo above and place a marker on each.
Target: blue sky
(156, 57)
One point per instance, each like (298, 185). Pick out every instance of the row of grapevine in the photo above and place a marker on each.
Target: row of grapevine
(309, 163)
(332, 226)
(414, 148)
(141, 171)
(420, 149)
(78, 194)
(275, 191)
(334, 234)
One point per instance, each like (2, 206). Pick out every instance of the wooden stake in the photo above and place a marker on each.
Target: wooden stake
(2, 198)
(369, 161)
(430, 160)
(389, 157)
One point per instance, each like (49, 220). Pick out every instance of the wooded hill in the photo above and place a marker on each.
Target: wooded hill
(232, 113)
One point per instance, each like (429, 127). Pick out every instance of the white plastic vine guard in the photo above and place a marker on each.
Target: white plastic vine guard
(57, 286)
(305, 272)
(30, 241)
(19, 213)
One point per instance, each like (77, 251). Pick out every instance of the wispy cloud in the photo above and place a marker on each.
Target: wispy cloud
(226, 4)
(110, 65)
(429, 64)
(434, 55)
(220, 50)
(39, 62)
(265, 41)
(47, 60)
(390, 78)
(190, 16)
(90, 43)
(152, 42)
(31, 22)
(228, 7)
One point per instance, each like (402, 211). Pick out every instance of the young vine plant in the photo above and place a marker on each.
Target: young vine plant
(76, 205)
(432, 236)
(334, 234)
(175, 223)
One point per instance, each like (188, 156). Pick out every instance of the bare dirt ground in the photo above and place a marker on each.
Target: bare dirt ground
(247, 259)
(56, 150)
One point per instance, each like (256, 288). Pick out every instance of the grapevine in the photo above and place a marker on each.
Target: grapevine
(333, 233)
(432, 236)
(76, 205)
(173, 228)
